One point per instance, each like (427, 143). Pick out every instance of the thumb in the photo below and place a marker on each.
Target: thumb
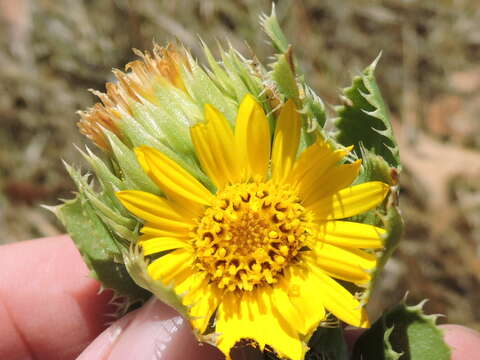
(155, 331)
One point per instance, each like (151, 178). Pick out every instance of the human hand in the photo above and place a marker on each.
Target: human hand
(49, 310)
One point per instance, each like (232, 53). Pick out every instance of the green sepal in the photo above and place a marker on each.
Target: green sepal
(283, 73)
(375, 168)
(227, 77)
(364, 118)
(241, 71)
(99, 249)
(274, 31)
(217, 73)
(404, 332)
(174, 115)
(108, 181)
(137, 134)
(388, 216)
(139, 137)
(327, 343)
(393, 224)
(251, 72)
(205, 91)
(314, 108)
(137, 267)
(290, 82)
(100, 202)
(131, 171)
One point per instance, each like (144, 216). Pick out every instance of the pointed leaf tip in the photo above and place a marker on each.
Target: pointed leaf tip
(364, 118)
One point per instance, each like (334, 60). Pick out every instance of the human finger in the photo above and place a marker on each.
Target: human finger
(155, 331)
(49, 307)
(464, 342)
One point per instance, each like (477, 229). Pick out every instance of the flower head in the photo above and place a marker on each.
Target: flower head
(260, 255)
(162, 67)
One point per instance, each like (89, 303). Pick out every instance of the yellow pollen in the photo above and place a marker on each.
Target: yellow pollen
(250, 235)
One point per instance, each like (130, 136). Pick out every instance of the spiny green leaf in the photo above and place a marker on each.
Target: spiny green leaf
(283, 73)
(364, 118)
(328, 344)
(375, 168)
(274, 31)
(97, 201)
(98, 248)
(108, 182)
(404, 332)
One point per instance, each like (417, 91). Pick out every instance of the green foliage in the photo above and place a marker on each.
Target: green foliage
(204, 91)
(283, 73)
(327, 343)
(405, 333)
(137, 268)
(106, 239)
(314, 108)
(131, 171)
(364, 119)
(273, 30)
(375, 168)
(99, 248)
(393, 224)
(290, 83)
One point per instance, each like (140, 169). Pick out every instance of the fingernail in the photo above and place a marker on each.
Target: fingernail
(101, 347)
(158, 332)
(154, 332)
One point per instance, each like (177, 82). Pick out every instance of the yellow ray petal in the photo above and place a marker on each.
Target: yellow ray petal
(286, 140)
(175, 181)
(336, 178)
(153, 230)
(175, 266)
(338, 300)
(350, 265)
(313, 162)
(159, 244)
(351, 234)
(154, 209)
(304, 295)
(350, 201)
(203, 301)
(284, 307)
(251, 318)
(252, 137)
(208, 155)
(215, 147)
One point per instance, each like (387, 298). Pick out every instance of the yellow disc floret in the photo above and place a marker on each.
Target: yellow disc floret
(250, 234)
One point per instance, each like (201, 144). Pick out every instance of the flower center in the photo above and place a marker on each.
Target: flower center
(251, 233)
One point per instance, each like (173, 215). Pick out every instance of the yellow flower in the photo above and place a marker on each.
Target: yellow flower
(262, 251)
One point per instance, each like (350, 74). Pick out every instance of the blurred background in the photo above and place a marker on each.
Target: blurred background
(51, 52)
